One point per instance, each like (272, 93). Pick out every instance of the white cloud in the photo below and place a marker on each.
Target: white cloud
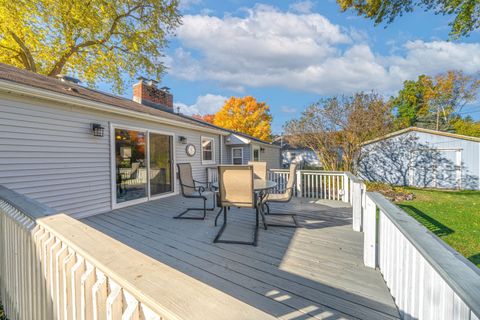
(187, 4)
(302, 6)
(206, 104)
(304, 51)
(288, 109)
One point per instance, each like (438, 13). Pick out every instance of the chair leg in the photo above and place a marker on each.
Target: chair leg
(218, 215)
(222, 228)
(293, 215)
(204, 209)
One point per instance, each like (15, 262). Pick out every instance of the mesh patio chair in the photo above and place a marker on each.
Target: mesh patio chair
(193, 189)
(284, 197)
(259, 169)
(236, 190)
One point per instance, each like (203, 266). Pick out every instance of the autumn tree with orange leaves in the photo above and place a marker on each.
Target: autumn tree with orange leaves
(245, 115)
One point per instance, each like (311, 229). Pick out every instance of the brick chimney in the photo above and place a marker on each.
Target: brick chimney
(146, 92)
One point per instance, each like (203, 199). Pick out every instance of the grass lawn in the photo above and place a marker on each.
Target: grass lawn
(454, 216)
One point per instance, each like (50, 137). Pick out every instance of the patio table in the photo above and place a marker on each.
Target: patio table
(261, 187)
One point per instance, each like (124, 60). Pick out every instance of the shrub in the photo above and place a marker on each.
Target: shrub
(393, 193)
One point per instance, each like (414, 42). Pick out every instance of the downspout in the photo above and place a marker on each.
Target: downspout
(221, 149)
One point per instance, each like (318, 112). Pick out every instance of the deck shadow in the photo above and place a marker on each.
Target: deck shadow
(433, 225)
(311, 272)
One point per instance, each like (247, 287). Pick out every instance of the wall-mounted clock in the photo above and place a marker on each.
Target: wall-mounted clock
(190, 150)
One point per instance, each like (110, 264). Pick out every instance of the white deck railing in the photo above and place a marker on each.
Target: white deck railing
(426, 277)
(53, 266)
(315, 184)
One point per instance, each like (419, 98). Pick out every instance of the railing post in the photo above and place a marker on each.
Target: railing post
(357, 206)
(346, 189)
(299, 183)
(370, 234)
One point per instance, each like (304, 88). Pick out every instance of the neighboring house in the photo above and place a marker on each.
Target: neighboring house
(84, 152)
(304, 157)
(422, 158)
(241, 148)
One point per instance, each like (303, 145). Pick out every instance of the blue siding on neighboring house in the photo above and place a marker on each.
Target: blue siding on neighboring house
(422, 159)
(246, 153)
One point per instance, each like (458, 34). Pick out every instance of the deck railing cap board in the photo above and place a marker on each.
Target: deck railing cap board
(461, 274)
(165, 290)
(353, 177)
(29, 207)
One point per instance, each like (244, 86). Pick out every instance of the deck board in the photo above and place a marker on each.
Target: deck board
(312, 272)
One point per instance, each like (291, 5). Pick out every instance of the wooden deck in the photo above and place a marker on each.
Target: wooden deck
(312, 272)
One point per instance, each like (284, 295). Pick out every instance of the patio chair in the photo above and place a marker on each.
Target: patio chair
(236, 190)
(259, 169)
(283, 197)
(193, 189)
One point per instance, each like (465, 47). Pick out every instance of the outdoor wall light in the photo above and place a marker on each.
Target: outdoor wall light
(182, 139)
(262, 150)
(97, 130)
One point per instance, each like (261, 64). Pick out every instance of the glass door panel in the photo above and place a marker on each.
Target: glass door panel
(160, 164)
(130, 165)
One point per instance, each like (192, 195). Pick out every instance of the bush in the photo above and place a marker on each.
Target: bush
(392, 193)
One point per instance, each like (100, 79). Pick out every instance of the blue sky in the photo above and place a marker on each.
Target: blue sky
(292, 53)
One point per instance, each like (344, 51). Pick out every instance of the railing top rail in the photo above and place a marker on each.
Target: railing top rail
(165, 290)
(353, 177)
(461, 274)
(29, 207)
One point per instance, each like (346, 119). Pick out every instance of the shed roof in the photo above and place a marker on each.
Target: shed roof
(430, 131)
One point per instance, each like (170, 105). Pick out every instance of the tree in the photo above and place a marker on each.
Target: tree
(245, 115)
(206, 117)
(466, 126)
(95, 40)
(335, 128)
(467, 13)
(432, 102)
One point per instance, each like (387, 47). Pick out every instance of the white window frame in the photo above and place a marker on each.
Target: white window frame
(113, 174)
(213, 161)
(237, 148)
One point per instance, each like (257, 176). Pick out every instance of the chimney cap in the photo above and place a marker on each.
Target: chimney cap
(141, 78)
(152, 82)
(167, 89)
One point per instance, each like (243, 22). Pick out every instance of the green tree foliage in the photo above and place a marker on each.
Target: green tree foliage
(466, 126)
(466, 12)
(95, 40)
(434, 102)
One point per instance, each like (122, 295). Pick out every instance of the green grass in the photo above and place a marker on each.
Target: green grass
(454, 216)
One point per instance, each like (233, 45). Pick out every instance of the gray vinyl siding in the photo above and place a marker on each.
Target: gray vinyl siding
(272, 156)
(48, 153)
(389, 160)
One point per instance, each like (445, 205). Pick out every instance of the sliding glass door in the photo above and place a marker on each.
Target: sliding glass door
(130, 165)
(143, 165)
(160, 164)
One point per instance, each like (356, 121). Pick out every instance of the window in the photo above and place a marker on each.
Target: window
(256, 154)
(237, 155)
(208, 153)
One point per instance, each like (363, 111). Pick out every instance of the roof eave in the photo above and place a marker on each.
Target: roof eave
(45, 94)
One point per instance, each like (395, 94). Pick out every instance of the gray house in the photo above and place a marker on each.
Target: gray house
(422, 158)
(84, 152)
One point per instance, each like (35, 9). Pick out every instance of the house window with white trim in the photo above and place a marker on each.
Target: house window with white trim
(208, 150)
(237, 155)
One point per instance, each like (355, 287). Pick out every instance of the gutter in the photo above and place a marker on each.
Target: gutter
(12, 87)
